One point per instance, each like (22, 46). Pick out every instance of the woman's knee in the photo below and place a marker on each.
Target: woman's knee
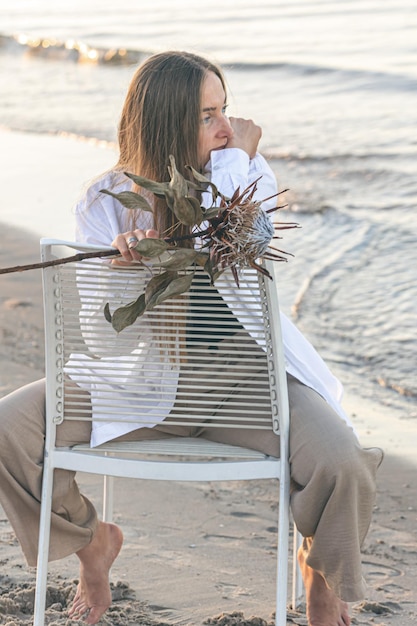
(22, 415)
(335, 459)
(351, 471)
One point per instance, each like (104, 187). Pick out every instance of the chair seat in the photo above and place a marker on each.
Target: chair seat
(183, 459)
(175, 446)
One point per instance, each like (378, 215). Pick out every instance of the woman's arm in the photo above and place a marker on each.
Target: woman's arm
(103, 221)
(232, 168)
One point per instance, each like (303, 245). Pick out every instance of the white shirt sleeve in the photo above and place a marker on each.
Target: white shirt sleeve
(100, 217)
(231, 169)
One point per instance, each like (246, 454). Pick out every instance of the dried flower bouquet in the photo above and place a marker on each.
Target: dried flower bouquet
(233, 233)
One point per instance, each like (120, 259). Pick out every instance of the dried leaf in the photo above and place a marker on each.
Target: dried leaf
(130, 199)
(175, 287)
(210, 213)
(206, 182)
(166, 285)
(158, 189)
(156, 285)
(198, 211)
(187, 210)
(178, 184)
(107, 314)
(202, 257)
(127, 314)
(197, 187)
(150, 247)
(180, 259)
(212, 270)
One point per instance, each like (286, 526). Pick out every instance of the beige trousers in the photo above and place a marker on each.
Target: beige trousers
(333, 480)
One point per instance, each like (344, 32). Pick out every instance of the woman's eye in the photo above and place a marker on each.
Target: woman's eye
(207, 119)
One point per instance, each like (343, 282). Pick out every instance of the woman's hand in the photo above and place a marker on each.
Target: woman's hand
(126, 243)
(246, 135)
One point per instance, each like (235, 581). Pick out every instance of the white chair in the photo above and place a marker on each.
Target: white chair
(82, 344)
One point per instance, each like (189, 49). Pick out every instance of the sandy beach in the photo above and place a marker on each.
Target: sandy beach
(193, 553)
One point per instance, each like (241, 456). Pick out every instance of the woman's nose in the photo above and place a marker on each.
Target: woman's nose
(226, 127)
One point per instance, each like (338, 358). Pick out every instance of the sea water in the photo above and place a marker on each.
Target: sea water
(334, 87)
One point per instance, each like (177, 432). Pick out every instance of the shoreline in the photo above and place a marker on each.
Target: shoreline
(42, 176)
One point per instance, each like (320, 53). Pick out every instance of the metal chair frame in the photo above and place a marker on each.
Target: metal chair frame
(178, 459)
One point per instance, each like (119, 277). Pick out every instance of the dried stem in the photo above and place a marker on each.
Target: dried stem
(70, 259)
(88, 255)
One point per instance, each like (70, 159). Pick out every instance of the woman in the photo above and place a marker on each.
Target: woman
(176, 104)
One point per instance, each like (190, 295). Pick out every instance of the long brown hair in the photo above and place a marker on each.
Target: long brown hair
(160, 117)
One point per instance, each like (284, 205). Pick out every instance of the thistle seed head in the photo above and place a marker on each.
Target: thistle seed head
(239, 234)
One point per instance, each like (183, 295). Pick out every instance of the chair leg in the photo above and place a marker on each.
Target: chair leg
(43, 546)
(297, 580)
(283, 554)
(108, 485)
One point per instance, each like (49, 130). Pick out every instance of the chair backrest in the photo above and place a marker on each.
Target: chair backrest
(181, 362)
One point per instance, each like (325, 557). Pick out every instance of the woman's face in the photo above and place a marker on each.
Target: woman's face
(215, 130)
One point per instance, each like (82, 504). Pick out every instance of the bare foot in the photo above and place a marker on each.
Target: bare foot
(324, 608)
(93, 596)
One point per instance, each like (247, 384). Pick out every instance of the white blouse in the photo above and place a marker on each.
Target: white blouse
(99, 218)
